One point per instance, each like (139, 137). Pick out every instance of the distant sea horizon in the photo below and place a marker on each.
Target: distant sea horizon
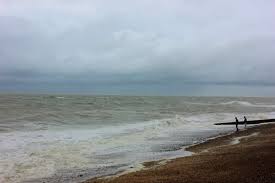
(126, 95)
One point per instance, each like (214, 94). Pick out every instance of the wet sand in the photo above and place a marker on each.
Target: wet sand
(246, 156)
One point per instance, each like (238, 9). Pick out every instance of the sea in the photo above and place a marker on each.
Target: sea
(71, 138)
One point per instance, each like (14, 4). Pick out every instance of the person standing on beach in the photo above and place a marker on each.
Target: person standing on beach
(237, 123)
(245, 121)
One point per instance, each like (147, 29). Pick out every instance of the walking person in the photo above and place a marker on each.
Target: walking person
(245, 121)
(237, 123)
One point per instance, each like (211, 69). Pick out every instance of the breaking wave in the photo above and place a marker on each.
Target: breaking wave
(248, 104)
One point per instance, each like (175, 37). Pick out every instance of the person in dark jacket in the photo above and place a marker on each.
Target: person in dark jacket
(245, 121)
(237, 123)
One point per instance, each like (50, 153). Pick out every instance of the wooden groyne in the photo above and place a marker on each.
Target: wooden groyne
(248, 122)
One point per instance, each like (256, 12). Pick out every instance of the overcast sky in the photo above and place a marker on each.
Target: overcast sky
(144, 47)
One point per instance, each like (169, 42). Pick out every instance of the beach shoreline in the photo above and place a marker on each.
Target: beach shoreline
(244, 156)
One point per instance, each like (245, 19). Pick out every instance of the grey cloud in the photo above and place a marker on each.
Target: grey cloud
(141, 42)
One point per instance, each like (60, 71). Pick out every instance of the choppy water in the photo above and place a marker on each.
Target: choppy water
(71, 138)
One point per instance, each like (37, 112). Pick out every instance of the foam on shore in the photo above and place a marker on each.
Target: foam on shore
(45, 153)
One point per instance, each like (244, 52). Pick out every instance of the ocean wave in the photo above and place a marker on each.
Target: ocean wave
(45, 152)
(248, 104)
(235, 103)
